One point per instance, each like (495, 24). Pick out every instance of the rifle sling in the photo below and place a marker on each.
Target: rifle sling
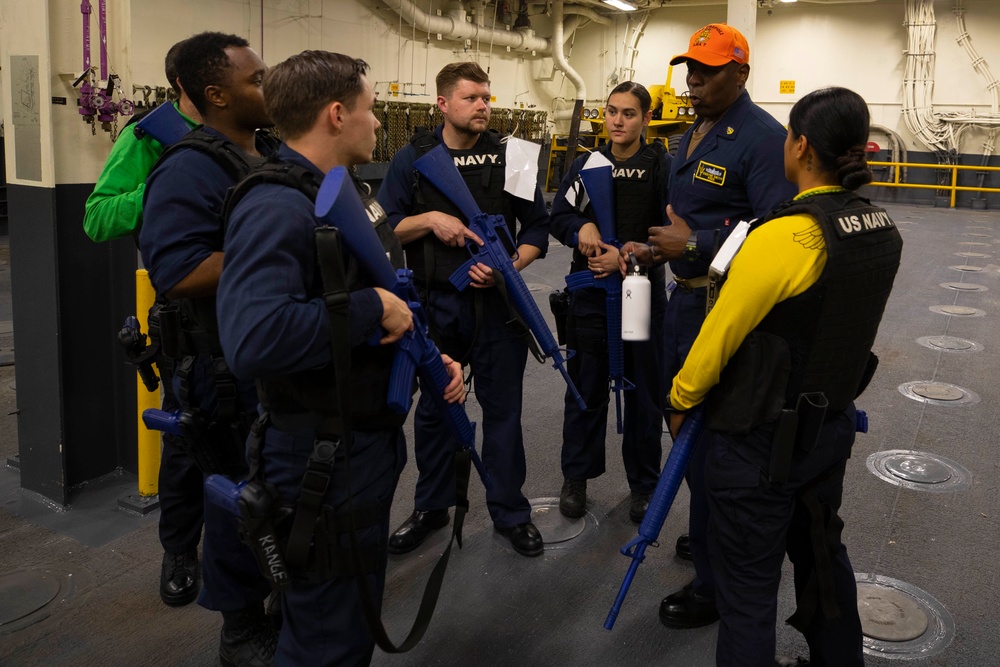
(331, 268)
(516, 319)
(335, 429)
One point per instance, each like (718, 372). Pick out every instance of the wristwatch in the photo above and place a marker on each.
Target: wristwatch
(670, 409)
(691, 248)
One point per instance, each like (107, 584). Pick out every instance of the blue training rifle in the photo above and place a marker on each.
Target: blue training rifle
(598, 182)
(438, 167)
(663, 498)
(659, 505)
(164, 123)
(339, 205)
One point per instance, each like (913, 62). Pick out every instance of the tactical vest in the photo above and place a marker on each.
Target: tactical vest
(482, 168)
(314, 390)
(187, 328)
(199, 314)
(825, 335)
(637, 202)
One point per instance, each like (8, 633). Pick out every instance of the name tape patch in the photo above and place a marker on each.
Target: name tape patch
(710, 173)
(862, 222)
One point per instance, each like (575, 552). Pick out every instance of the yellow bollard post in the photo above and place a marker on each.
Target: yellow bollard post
(149, 441)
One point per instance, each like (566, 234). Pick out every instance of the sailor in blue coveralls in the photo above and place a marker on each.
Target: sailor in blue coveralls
(640, 194)
(275, 327)
(728, 168)
(181, 244)
(474, 326)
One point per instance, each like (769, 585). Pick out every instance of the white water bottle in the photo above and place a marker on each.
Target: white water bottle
(636, 309)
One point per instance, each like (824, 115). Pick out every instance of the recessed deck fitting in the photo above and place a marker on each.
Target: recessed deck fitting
(964, 287)
(889, 615)
(557, 531)
(971, 254)
(899, 620)
(938, 393)
(966, 267)
(32, 595)
(949, 344)
(919, 471)
(958, 311)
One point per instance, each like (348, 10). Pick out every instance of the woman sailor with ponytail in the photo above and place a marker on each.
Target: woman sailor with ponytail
(776, 368)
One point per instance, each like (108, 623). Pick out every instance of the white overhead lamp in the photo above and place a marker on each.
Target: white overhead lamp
(789, 0)
(619, 4)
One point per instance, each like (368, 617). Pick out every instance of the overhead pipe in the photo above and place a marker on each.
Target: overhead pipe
(559, 59)
(454, 26)
(587, 13)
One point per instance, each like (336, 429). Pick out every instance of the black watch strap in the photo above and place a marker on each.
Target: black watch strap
(669, 408)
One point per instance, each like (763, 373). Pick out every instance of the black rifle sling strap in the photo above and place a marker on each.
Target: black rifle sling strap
(515, 318)
(819, 592)
(333, 431)
(328, 251)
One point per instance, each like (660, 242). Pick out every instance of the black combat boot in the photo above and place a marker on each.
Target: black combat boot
(248, 639)
(573, 498)
(179, 578)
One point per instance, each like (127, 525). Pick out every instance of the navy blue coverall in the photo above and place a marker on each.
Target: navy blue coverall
(583, 448)
(273, 322)
(181, 228)
(496, 351)
(747, 144)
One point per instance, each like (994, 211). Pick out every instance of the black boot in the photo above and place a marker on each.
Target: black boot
(683, 548)
(525, 539)
(248, 639)
(179, 578)
(688, 608)
(637, 506)
(272, 607)
(573, 498)
(415, 530)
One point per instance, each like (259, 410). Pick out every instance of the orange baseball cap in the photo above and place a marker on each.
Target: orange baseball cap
(715, 45)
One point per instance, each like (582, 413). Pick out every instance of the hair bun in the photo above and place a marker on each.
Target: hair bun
(852, 168)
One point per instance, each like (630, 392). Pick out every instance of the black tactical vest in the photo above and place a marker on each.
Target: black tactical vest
(482, 169)
(637, 201)
(314, 390)
(830, 328)
(198, 315)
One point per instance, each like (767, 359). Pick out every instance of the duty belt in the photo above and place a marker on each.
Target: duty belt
(688, 285)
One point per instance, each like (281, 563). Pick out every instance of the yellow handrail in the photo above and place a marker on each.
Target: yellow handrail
(954, 188)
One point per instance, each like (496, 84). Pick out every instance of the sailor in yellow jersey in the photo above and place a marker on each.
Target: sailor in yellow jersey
(780, 260)
(776, 368)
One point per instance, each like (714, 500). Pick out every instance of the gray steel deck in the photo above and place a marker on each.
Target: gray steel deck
(498, 608)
